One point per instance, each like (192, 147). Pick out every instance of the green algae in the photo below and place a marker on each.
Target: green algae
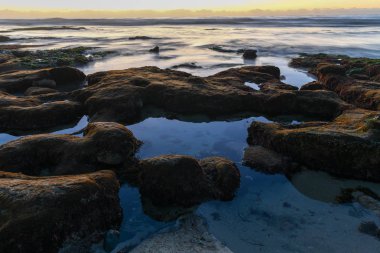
(58, 57)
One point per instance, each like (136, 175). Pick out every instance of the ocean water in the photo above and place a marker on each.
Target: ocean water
(271, 213)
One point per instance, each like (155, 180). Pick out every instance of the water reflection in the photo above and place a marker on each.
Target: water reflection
(270, 213)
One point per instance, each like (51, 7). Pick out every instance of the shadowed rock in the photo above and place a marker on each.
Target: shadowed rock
(346, 147)
(313, 86)
(175, 180)
(38, 214)
(104, 145)
(266, 160)
(31, 113)
(250, 54)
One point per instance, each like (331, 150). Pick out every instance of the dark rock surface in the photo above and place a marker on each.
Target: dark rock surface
(175, 180)
(155, 50)
(20, 81)
(346, 147)
(313, 86)
(4, 38)
(250, 54)
(266, 160)
(104, 146)
(31, 113)
(38, 214)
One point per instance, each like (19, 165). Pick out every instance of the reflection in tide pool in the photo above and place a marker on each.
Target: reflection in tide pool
(270, 212)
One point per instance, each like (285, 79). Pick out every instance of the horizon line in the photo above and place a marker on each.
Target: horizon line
(200, 13)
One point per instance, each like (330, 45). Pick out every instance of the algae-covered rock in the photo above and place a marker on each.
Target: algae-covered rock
(122, 95)
(38, 214)
(175, 180)
(105, 145)
(346, 147)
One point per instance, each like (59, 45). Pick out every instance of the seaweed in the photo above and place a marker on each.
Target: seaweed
(76, 56)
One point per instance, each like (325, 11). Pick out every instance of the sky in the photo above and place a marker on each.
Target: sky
(59, 7)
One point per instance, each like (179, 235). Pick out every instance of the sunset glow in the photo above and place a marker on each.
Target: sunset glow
(119, 8)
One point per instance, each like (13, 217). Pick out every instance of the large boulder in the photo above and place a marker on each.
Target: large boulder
(174, 180)
(104, 146)
(348, 147)
(38, 214)
(122, 95)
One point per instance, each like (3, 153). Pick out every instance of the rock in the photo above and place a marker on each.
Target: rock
(311, 61)
(266, 160)
(346, 147)
(333, 69)
(20, 81)
(371, 203)
(313, 86)
(104, 146)
(224, 176)
(362, 93)
(38, 214)
(369, 228)
(32, 91)
(373, 70)
(275, 87)
(116, 96)
(175, 180)
(4, 38)
(221, 49)
(28, 114)
(250, 54)
(191, 65)
(190, 236)
(141, 38)
(353, 79)
(155, 50)
(65, 75)
(111, 239)
(376, 78)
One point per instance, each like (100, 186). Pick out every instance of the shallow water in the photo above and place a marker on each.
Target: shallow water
(271, 213)
(276, 40)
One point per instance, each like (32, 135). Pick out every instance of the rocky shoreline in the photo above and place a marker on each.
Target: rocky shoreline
(68, 189)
